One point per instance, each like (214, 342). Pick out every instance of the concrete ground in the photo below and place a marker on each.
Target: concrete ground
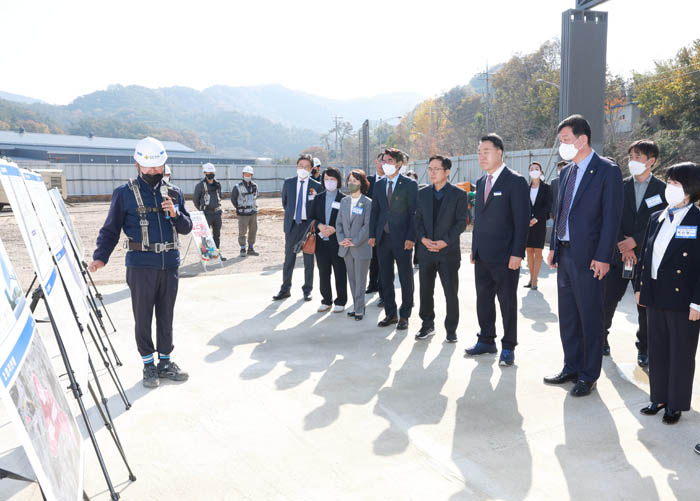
(287, 403)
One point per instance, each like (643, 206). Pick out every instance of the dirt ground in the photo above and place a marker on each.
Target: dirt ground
(88, 217)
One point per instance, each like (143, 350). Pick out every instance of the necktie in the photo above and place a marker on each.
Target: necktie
(388, 199)
(487, 190)
(300, 201)
(566, 203)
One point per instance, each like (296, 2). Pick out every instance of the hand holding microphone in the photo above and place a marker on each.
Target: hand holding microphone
(167, 204)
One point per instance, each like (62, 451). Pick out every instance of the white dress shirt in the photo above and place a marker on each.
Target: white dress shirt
(533, 194)
(303, 200)
(495, 175)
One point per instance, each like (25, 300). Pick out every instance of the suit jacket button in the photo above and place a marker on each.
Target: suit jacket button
(678, 271)
(677, 289)
(685, 254)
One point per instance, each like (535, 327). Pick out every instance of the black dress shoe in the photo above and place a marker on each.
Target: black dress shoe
(582, 388)
(403, 324)
(560, 378)
(351, 313)
(371, 290)
(358, 317)
(388, 321)
(307, 297)
(697, 449)
(380, 303)
(671, 417)
(642, 359)
(281, 295)
(606, 349)
(652, 409)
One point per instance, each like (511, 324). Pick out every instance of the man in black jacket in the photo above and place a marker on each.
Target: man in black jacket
(498, 247)
(441, 217)
(643, 195)
(207, 198)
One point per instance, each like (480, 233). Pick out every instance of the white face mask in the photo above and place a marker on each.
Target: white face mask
(303, 173)
(567, 151)
(674, 195)
(389, 169)
(636, 168)
(247, 179)
(535, 174)
(330, 184)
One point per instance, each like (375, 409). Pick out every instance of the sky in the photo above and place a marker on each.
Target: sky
(57, 51)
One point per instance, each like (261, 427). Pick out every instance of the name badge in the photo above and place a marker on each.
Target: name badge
(335, 205)
(687, 232)
(311, 197)
(653, 201)
(358, 210)
(497, 193)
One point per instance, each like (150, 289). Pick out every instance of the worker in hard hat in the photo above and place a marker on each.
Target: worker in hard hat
(167, 174)
(151, 215)
(316, 171)
(243, 197)
(207, 198)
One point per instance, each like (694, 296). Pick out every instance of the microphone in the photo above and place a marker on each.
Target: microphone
(164, 195)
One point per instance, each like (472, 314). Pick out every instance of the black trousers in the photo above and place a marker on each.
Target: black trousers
(327, 259)
(388, 253)
(296, 233)
(214, 221)
(614, 289)
(496, 280)
(448, 269)
(153, 289)
(375, 278)
(673, 341)
(580, 317)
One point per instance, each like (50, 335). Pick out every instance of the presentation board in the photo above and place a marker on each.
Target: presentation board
(67, 221)
(203, 239)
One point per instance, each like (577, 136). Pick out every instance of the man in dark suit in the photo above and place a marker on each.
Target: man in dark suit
(441, 217)
(498, 246)
(555, 186)
(298, 194)
(583, 238)
(375, 282)
(393, 230)
(644, 194)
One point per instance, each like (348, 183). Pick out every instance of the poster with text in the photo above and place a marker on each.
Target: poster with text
(203, 239)
(67, 221)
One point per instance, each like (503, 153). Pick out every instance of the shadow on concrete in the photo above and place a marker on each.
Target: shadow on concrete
(413, 399)
(536, 308)
(114, 297)
(10, 460)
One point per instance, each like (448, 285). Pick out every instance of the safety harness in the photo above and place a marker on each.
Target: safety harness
(145, 244)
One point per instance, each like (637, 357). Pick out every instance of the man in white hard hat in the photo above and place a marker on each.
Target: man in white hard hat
(207, 198)
(243, 197)
(316, 171)
(151, 215)
(167, 174)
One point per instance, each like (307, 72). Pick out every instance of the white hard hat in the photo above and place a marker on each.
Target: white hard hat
(208, 168)
(317, 162)
(167, 170)
(248, 170)
(150, 152)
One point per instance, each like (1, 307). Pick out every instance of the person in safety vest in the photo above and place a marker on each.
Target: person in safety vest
(207, 198)
(243, 197)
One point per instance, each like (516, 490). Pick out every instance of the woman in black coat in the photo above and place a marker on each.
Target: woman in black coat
(668, 283)
(540, 206)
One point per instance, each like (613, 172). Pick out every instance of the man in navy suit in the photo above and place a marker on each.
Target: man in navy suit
(298, 194)
(393, 230)
(583, 238)
(500, 232)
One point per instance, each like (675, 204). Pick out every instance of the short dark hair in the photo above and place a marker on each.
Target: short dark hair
(306, 156)
(394, 153)
(444, 161)
(380, 155)
(645, 147)
(494, 139)
(562, 163)
(578, 124)
(688, 174)
(534, 163)
(334, 173)
(360, 175)
(412, 174)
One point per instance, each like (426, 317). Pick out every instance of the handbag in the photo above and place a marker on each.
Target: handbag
(309, 246)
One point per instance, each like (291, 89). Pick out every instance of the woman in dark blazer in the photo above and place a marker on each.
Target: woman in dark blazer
(325, 212)
(668, 283)
(540, 207)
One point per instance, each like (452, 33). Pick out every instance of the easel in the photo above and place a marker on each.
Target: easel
(201, 261)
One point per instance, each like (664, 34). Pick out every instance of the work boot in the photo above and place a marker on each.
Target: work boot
(252, 252)
(170, 370)
(150, 376)
(242, 251)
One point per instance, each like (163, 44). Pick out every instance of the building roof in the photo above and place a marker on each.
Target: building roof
(58, 141)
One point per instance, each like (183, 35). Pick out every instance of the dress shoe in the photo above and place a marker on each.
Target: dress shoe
(281, 295)
(403, 324)
(528, 285)
(323, 307)
(652, 409)
(388, 321)
(371, 290)
(480, 348)
(351, 313)
(582, 388)
(425, 332)
(380, 303)
(451, 338)
(561, 378)
(697, 449)
(507, 357)
(307, 297)
(671, 417)
(606, 349)
(359, 317)
(642, 359)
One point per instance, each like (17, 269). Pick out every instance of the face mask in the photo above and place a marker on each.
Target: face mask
(330, 184)
(389, 169)
(636, 168)
(567, 151)
(247, 179)
(353, 188)
(302, 173)
(210, 176)
(152, 179)
(535, 174)
(674, 195)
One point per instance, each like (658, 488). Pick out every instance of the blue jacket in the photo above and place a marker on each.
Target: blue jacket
(124, 216)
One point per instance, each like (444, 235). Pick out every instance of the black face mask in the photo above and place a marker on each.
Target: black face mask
(210, 176)
(152, 179)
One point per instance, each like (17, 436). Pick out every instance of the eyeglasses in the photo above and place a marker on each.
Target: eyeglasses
(435, 169)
